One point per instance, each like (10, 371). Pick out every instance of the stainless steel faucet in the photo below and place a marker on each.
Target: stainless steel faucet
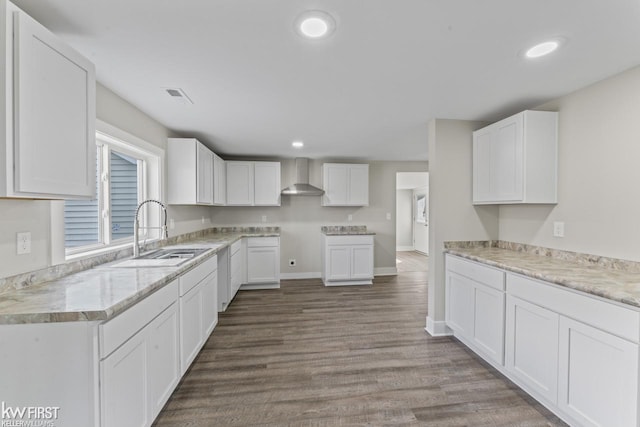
(136, 226)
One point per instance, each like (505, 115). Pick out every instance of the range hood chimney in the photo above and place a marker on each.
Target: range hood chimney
(302, 186)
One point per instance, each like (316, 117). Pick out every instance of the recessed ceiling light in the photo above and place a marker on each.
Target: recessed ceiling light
(542, 49)
(315, 24)
(297, 144)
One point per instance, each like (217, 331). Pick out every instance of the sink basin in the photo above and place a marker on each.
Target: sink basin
(176, 253)
(162, 258)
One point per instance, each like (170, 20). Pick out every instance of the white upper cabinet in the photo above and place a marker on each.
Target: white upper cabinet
(515, 160)
(345, 184)
(190, 172)
(253, 183)
(48, 121)
(219, 181)
(204, 169)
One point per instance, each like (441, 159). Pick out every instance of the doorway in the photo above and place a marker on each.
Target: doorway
(412, 221)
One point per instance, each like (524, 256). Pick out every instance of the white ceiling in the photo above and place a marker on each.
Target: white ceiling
(367, 91)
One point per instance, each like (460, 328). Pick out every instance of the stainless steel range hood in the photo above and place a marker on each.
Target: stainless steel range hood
(302, 186)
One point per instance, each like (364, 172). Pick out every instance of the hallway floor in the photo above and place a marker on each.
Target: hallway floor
(411, 261)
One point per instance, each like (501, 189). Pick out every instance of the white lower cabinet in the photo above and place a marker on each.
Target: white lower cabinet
(532, 347)
(125, 370)
(263, 261)
(575, 353)
(598, 381)
(347, 260)
(475, 306)
(139, 365)
(163, 358)
(198, 309)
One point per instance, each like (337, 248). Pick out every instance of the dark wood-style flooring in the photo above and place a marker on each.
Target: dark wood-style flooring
(307, 355)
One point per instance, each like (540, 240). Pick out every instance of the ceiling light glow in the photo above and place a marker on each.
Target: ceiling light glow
(542, 49)
(297, 144)
(315, 24)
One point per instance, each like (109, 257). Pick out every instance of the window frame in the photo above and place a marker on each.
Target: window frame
(151, 185)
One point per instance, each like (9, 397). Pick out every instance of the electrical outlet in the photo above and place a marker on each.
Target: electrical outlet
(23, 243)
(350, 217)
(558, 229)
(172, 224)
(292, 262)
(264, 218)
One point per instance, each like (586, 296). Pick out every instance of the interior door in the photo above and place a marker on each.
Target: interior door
(421, 220)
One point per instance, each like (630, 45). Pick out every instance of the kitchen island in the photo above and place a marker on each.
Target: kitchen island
(347, 255)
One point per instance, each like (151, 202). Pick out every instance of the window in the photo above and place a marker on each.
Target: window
(126, 175)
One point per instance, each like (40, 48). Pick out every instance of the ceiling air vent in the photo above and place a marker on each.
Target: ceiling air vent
(178, 95)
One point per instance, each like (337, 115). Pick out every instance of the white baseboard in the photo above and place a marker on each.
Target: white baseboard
(423, 253)
(404, 248)
(294, 276)
(382, 271)
(258, 286)
(385, 271)
(437, 328)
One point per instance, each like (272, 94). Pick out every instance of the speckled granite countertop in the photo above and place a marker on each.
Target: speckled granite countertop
(102, 292)
(346, 230)
(616, 285)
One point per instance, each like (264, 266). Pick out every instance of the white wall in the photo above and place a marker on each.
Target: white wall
(598, 172)
(404, 219)
(451, 214)
(301, 217)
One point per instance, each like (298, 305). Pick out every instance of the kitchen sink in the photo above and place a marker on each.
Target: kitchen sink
(162, 258)
(176, 253)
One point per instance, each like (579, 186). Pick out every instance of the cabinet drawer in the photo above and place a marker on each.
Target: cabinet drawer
(235, 246)
(192, 277)
(603, 315)
(256, 242)
(118, 330)
(480, 273)
(350, 240)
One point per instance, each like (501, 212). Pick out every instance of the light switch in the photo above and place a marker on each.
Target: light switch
(350, 217)
(388, 216)
(264, 218)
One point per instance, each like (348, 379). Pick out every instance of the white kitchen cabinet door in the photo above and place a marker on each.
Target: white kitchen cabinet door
(532, 347)
(267, 184)
(598, 376)
(163, 358)
(362, 262)
(335, 178)
(359, 185)
(488, 322)
(123, 385)
(345, 184)
(240, 181)
(191, 326)
(209, 304)
(53, 115)
(459, 294)
(263, 265)
(515, 160)
(204, 171)
(190, 169)
(338, 260)
(219, 181)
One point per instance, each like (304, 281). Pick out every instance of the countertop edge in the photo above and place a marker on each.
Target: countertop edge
(130, 301)
(577, 286)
